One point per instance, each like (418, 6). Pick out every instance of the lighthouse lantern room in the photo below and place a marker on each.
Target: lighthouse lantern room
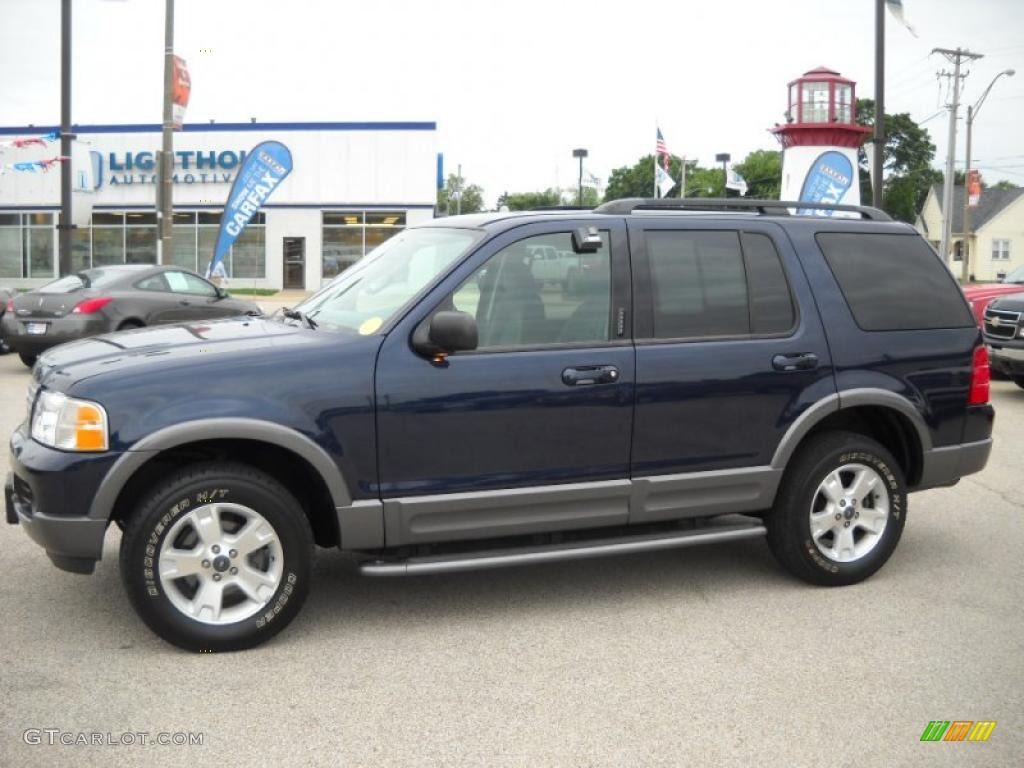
(820, 140)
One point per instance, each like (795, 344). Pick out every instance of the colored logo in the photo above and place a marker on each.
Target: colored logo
(958, 730)
(828, 181)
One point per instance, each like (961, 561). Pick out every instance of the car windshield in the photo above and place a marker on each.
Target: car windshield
(1017, 276)
(89, 278)
(364, 297)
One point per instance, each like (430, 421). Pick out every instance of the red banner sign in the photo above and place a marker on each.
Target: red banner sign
(182, 89)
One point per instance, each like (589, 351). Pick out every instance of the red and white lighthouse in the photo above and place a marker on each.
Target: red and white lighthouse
(820, 140)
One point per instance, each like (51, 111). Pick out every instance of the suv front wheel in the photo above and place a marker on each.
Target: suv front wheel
(217, 558)
(840, 510)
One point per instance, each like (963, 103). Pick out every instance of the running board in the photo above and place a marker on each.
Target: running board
(498, 558)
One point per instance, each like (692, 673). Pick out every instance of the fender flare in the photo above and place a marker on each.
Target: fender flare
(213, 429)
(850, 398)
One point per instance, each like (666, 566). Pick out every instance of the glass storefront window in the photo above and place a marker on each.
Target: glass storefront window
(347, 236)
(140, 245)
(81, 248)
(183, 254)
(207, 244)
(40, 251)
(10, 250)
(248, 254)
(107, 245)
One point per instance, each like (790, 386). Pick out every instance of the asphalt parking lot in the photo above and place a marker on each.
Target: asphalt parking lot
(697, 657)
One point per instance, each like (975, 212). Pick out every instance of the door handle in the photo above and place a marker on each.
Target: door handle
(185, 303)
(797, 361)
(590, 374)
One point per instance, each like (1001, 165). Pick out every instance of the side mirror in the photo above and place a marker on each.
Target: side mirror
(221, 293)
(447, 332)
(586, 240)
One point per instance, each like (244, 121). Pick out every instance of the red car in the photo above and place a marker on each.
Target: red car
(980, 294)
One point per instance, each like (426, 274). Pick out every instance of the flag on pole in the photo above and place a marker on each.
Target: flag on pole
(734, 181)
(896, 9)
(661, 148)
(664, 181)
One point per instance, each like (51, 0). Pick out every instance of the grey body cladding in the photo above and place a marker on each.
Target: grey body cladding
(372, 524)
(572, 506)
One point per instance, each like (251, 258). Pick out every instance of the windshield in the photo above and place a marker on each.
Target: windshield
(366, 295)
(89, 278)
(1017, 276)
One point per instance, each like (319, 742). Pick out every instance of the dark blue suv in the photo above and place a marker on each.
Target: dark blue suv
(511, 388)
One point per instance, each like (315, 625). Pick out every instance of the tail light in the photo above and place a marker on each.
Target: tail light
(981, 377)
(10, 305)
(89, 306)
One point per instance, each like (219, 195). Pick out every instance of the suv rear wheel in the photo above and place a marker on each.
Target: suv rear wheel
(217, 558)
(840, 511)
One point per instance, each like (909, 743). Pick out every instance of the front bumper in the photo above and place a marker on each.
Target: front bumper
(59, 330)
(50, 492)
(1006, 359)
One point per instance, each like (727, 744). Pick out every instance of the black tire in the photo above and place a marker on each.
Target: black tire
(129, 325)
(789, 524)
(27, 359)
(1019, 381)
(155, 517)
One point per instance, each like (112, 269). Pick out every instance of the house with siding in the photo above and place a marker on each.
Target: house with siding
(997, 230)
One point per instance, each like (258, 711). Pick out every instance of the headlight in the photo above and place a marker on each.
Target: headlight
(69, 424)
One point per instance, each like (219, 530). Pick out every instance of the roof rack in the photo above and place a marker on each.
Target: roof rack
(764, 207)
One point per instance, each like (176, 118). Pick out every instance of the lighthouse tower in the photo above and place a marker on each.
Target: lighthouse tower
(820, 140)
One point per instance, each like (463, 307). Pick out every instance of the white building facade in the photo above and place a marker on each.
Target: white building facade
(353, 185)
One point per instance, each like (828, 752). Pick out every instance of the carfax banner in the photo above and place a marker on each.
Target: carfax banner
(264, 168)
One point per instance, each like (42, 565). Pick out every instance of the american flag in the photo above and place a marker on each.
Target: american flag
(662, 149)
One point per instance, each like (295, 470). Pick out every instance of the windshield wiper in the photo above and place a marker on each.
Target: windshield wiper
(297, 314)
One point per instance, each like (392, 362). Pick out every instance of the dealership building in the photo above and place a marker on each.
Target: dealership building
(353, 185)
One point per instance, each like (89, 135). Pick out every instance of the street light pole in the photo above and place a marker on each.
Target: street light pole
(64, 225)
(164, 216)
(972, 112)
(724, 158)
(580, 153)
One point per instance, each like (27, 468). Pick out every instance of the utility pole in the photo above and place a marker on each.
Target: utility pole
(879, 138)
(458, 187)
(955, 56)
(164, 216)
(64, 225)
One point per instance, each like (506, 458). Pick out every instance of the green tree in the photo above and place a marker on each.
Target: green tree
(1003, 184)
(638, 180)
(472, 197)
(591, 198)
(906, 159)
(762, 170)
(526, 201)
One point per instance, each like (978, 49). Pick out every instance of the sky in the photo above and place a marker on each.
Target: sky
(515, 86)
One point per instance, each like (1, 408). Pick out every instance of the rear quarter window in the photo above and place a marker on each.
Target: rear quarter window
(894, 282)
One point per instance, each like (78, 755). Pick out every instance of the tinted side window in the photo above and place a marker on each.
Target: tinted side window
(894, 282)
(698, 284)
(538, 291)
(771, 305)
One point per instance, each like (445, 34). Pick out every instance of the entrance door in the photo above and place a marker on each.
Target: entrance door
(295, 262)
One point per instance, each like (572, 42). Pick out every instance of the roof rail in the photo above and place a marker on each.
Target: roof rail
(764, 207)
